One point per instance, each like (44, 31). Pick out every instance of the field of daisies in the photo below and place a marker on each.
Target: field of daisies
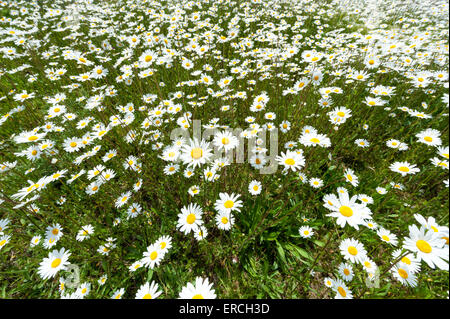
(224, 149)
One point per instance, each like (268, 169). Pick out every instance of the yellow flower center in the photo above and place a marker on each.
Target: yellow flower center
(73, 144)
(190, 219)
(402, 273)
(428, 139)
(289, 161)
(55, 263)
(224, 220)
(423, 246)
(346, 272)
(147, 296)
(225, 141)
(406, 260)
(55, 231)
(314, 140)
(196, 153)
(342, 291)
(404, 169)
(341, 114)
(153, 255)
(352, 250)
(228, 204)
(33, 138)
(386, 238)
(346, 211)
(198, 296)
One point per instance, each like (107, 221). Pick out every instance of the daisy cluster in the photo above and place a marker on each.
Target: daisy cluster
(133, 144)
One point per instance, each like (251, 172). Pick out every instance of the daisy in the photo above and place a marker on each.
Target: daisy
(194, 190)
(123, 198)
(350, 177)
(339, 115)
(225, 140)
(315, 182)
(427, 246)
(228, 203)
(443, 151)
(202, 289)
(346, 271)
(436, 161)
(342, 292)
(365, 199)
(102, 280)
(35, 241)
(291, 160)
(386, 236)
(195, 154)
(347, 210)
(4, 240)
(430, 137)
(3, 224)
(118, 293)
(369, 266)
(352, 250)
(362, 143)
(153, 256)
(254, 187)
(381, 190)
(135, 266)
(328, 282)
(30, 136)
(201, 233)
(404, 168)
(83, 290)
(393, 143)
(149, 290)
(224, 220)
(54, 231)
(71, 145)
(56, 261)
(165, 243)
(190, 218)
(404, 275)
(409, 260)
(85, 232)
(306, 231)
(313, 139)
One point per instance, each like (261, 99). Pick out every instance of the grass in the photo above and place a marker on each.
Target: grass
(263, 255)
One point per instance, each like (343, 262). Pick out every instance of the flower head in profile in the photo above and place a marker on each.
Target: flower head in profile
(201, 289)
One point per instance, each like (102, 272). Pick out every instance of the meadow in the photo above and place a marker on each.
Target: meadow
(224, 149)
